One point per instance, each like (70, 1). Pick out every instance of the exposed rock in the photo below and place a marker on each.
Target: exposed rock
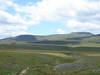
(71, 67)
(86, 61)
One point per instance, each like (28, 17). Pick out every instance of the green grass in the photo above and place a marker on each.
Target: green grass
(42, 58)
(15, 61)
(43, 62)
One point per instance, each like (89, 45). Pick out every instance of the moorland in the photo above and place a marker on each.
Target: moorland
(77, 53)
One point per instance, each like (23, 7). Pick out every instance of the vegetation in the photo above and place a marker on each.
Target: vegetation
(71, 54)
(57, 39)
(44, 62)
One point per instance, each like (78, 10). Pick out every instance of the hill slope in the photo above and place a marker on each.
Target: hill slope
(92, 39)
(72, 38)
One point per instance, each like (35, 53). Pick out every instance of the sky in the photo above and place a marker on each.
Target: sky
(45, 17)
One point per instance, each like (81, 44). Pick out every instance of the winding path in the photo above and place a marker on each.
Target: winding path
(23, 71)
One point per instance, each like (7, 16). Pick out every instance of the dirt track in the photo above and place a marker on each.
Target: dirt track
(23, 71)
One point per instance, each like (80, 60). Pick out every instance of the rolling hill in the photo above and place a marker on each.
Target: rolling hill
(72, 38)
(92, 39)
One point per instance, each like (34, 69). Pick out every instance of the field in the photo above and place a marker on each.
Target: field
(49, 62)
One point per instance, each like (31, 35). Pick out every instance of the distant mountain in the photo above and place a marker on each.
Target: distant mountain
(78, 35)
(22, 38)
(98, 35)
(72, 38)
(92, 39)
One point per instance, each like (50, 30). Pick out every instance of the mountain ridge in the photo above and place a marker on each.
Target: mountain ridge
(72, 38)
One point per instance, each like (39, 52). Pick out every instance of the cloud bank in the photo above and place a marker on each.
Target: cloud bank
(77, 15)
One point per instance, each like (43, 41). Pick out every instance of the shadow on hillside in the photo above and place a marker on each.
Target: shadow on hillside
(45, 47)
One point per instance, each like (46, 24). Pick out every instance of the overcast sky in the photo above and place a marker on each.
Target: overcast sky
(44, 17)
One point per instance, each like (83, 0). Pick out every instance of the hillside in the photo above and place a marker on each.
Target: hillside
(22, 38)
(92, 39)
(72, 38)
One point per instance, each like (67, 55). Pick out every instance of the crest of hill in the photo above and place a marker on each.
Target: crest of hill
(92, 39)
(59, 37)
